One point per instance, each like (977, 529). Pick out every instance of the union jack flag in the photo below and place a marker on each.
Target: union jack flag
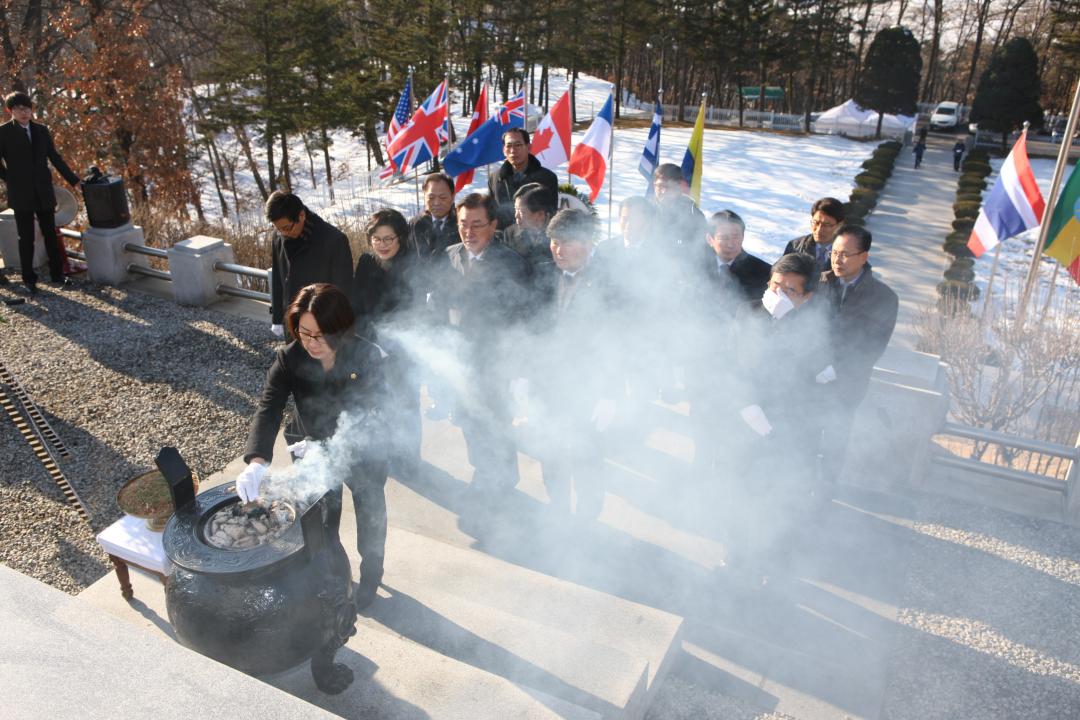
(418, 142)
(513, 109)
(401, 117)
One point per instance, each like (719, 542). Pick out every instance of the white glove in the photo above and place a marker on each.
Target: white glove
(826, 376)
(603, 413)
(754, 416)
(278, 330)
(298, 449)
(249, 481)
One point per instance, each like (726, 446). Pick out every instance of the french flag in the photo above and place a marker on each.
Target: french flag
(1013, 205)
(590, 156)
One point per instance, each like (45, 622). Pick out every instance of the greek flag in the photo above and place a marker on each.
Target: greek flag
(650, 155)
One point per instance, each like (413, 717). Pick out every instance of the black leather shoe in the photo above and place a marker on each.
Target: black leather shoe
(63, 284)
(365, 594)
(31, 288)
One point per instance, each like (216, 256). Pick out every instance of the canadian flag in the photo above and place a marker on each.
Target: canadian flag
(479, 117)
(551, 140)
(589, 161)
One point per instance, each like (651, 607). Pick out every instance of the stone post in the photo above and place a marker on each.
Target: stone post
(1072, 488)
(9, 242)
(106, 259)
(194, 278)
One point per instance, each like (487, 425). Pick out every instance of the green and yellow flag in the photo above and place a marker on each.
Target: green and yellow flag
(1063, 242)
(692, 160)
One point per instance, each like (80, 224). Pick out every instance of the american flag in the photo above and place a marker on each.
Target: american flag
(513, 109)
(401, 117)
(418, 142)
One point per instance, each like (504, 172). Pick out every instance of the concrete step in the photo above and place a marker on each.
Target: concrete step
(416, 563)
(395, 678)
(65, 657)
(573, 668)
(398, 678)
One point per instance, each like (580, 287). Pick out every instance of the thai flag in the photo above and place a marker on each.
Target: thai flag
(1013, 205)
(590, 158)
(418, 142)
(401, 117)
(650, 155)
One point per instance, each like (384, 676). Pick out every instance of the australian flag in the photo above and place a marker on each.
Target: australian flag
(484, 145)
(400, 119)
(650, 155)
(418, 142)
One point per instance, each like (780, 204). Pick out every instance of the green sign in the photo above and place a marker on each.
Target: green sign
(771, 93)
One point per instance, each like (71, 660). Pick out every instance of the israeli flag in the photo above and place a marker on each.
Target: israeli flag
(650, 155)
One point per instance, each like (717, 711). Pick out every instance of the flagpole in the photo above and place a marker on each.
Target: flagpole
(611, 168)
(1048, 212)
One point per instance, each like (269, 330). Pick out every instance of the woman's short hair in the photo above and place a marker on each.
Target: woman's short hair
(331, 309)
(393, 220)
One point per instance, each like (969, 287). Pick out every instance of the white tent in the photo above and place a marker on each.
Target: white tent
(850, 119)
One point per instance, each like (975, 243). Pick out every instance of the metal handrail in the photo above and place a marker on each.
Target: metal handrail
(242, 270)
(1013, 441)
(71, 233)
(223, 289)
(144, 250)
(149, 272)
(1020, 476)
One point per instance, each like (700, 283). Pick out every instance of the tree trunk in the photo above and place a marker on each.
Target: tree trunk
(311, 160)
(980, 27)
(935, 49)
(372, 140)
(270, 160)
(245, 145)
(864, 28)
(324, 137)
(620, 59)
(214, 170)
(286, 176)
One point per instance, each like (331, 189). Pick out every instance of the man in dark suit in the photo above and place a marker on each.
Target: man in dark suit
(26, 148)
(306, 250)
(735, 272)
(482, 293)
(826, 215)
(436, 229)
(573, 369)
(863, 310)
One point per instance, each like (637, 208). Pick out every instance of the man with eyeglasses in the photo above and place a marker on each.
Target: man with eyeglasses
(826, 215)
(305, 250)
(863, 310)
(521, 168)
(481, 295)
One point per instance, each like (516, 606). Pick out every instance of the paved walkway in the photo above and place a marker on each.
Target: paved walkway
(909, 225)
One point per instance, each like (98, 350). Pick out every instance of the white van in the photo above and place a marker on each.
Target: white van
(946, 116)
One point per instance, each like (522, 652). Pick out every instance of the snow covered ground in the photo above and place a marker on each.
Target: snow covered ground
(1016, 252)
(768, 179)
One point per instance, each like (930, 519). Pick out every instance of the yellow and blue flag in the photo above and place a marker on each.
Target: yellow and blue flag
(692, 160)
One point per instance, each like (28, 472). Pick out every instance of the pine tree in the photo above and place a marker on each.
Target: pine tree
(890, 80)
(1008, 92)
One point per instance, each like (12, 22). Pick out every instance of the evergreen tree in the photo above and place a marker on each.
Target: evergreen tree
(890, 80)
(1008, 93)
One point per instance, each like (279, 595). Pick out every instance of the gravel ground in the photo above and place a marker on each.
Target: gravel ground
(989, 617)
(118, 375)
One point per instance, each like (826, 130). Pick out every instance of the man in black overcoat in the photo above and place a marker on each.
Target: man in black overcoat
(863, 310)
(26, 148)
(482, 294)
(306, 250)
(521, 168)
(574, 371)
(733, 272)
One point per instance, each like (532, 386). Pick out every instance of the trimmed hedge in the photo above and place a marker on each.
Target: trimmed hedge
(870, 180)
(966, 209)
(969, 195)
(974, 166)
(968, 183)
(864, 195)
(959, 272)
(963, 225)
(958, 290)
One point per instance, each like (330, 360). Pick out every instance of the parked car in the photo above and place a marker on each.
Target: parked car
(946, 116)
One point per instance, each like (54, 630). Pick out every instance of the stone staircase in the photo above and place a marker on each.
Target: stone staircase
(456, 633)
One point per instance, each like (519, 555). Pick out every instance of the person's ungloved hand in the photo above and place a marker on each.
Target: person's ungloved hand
(754, 416)
(249, 481)
(826, 376)
(278, 330)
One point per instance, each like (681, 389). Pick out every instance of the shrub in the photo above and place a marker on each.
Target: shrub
(855, 220)
(893, 144)
(967, 261)
(958, 290)
(969, 195)
(960, 273)
(855, 210)
(870, 180)
(971, 183)
(979, 155)
(864, 195)
(975, 167)
(966, 209)
(963, 225)
(958, 250)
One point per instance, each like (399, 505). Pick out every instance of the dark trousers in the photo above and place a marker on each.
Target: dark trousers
(485, 419)
(24, 222)
(571, 456)
(367, 483)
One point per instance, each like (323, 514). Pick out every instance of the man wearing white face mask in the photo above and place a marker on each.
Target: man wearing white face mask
(781, 343)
